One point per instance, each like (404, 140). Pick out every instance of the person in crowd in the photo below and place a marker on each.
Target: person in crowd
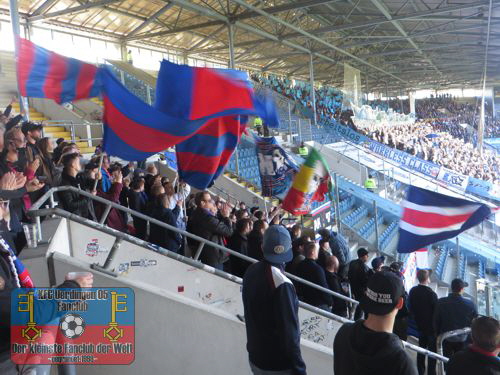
(401, 322)
(106, 174)
(271, 310)
(72, 201)
(137, 200)
(422, 301)
(358, 278)
(205, 223)
(239, 242)
(480, 358)
(370, 184)
(257, 122)
(33, 133)
(47, 167)
(183, 191)
(451, 313)
(311, 271)
(377, 264)
(334, 282)
(115, 218)
(56, 155)
(256, 239)
(324, 252)
(339, 248)
(295, 232)
(298, 250)
(161, 211)
(369, 347)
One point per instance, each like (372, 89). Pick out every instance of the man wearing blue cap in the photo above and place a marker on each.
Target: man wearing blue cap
(271, 310)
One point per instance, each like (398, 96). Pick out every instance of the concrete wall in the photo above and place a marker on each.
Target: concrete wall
(177, 336)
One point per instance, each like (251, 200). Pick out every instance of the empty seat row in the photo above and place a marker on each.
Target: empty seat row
(387, 235)
(441, 263)
(354, 217)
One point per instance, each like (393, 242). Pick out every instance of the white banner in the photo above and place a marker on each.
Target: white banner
(452, 178)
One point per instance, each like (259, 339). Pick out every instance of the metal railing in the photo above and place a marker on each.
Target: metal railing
(37, 212)
(439, 343)
(92, 142)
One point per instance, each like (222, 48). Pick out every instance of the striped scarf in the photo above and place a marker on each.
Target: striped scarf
(21, 273)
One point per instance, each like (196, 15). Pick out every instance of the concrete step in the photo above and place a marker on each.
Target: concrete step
(442, 291)
(54, 129)
(62, 134)
(87, 150)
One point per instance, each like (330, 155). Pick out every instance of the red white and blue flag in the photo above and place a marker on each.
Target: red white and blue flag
(45, 74)
(430, 217)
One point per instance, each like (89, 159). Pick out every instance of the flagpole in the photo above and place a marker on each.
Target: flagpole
(16, 31)
(98, 171)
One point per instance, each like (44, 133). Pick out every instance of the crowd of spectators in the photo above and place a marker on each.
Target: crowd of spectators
(432, 141)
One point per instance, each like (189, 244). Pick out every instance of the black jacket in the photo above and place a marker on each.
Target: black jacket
(137, 201)
(360, 351)
(453, 312)
(73, 202)
(471, 362)
(358, 277)
(422, 301)
(163, 237)
(239, 243)
(271, 319)
(311, 271)
(322, 256)
(207, 226)
(255, 241)
(339, 305)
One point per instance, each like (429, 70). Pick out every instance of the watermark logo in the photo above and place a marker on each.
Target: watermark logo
(73, 326)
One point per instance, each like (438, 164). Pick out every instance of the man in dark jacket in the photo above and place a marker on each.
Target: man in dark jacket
(160, 236)
(239, 242)
(72, 201)
(256, 239)
(369, 347)
(451, 313)
(333, 280)
(204, 223)
(271, 310)
(422, 301)
(480, 358)
(358, 278)
(339, 248)
(311, 271)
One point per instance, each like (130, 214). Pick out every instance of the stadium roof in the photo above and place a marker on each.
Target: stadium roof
(406, 44)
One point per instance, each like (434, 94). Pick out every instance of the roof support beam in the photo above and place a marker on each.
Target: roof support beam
(379, 21)
(270, 57)
(45, 6)
(80, 8)
(213, 33)
(151, 19)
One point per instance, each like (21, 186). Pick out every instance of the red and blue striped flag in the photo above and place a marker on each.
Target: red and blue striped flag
(133, 130)
(193, 93)
(430, 217)
(45, 74)
(203, 157)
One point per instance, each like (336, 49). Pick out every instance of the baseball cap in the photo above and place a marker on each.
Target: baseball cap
(458, 284)
(277, 245)
(378, 261)
(29, 126)
(362, 252)
(382, 293)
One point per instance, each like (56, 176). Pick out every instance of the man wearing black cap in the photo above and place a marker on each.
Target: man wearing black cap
(271, 310)
(369, 347)
(358, 278)
(454, 312)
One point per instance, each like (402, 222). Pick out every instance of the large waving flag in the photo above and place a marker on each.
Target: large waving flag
(430, 217)
(311, 184)
(133, 130)
(202, 158)
(193, 93)
(45, 74)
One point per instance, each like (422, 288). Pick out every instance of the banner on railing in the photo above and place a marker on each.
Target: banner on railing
(452, 178)
(483, 188)
(276, 167)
